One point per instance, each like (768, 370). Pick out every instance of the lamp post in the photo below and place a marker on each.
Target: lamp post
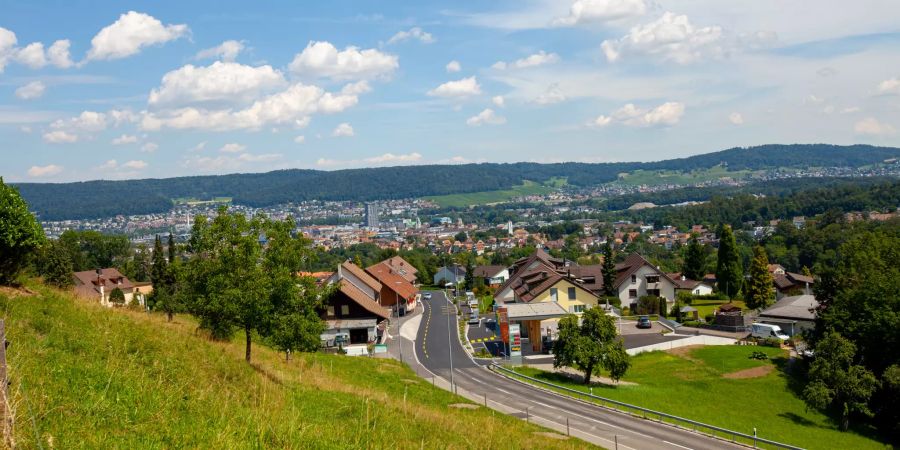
(449, 338)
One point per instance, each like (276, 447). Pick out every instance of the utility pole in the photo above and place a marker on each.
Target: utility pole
(450, 344)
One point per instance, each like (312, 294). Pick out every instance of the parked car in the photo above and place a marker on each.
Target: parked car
(644, 322)
(765, 331)
(474, 319)
(427, 296)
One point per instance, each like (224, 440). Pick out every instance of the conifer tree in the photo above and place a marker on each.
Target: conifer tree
(608, 270)
(759, 291)
(729, 273)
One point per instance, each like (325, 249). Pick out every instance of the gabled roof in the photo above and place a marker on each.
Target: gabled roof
(361, 274)
(403, 268)
(798, 307)
(455, 269)
(632, 263)
(109, 278)
(363, 300)
(392, 280)
(488, 271)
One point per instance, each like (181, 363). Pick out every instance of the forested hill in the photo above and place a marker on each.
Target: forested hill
(94, 199)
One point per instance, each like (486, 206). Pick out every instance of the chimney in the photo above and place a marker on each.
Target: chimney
(683, 278)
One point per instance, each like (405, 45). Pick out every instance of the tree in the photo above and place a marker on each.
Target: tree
(92, 250)
(836, 381)
(729, 273)
(296, 325)
(694, 267)
(759, 292)
(470, 272)
(592, 346)
(461, 237)
(608, 270)
(20, 233)
(56, 265)
(172, 249)
(117, 297)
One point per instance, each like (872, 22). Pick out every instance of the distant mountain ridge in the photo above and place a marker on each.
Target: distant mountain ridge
(93, 199)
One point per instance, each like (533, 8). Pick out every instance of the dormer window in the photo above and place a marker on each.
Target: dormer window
(634, 278)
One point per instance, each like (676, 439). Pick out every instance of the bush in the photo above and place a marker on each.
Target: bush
(759, 355)
(663, 307)
(693, 323)
(710, 318)
(772, 342)
(613, 301)
(626, 311)
(685, 297)
(714, 296)
(117, 297)
(649, 304)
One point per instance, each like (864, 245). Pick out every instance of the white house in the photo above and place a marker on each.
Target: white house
(450, 274)
(636, 277)
(492, 275)
(695, 287)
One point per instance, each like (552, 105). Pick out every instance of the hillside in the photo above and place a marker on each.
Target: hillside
(94, 199)
(87, 377)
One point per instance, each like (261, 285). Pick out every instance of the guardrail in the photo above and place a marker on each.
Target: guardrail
(646, 413)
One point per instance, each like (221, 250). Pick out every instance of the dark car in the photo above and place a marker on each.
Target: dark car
(644, 322)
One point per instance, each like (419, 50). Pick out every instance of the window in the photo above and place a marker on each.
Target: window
(554, 295)
(634, 278)
(632, 293)
(345, 310)
(331, 311)
(578, 309)
(571, 293)
(653, 278)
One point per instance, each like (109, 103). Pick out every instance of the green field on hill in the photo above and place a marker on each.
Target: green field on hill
(657, 177)
(724, 387)
(84, 376)
(487, 197)
(194, 201)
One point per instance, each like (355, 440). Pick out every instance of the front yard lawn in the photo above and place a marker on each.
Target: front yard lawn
(723, 386)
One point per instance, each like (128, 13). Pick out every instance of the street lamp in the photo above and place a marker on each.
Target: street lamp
(449, 336)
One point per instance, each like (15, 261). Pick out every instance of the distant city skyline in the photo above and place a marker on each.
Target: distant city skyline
(99, 90)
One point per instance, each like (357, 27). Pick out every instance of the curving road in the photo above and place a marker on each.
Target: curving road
(435, 348)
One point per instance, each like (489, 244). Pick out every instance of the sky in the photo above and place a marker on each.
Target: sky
(124, 90)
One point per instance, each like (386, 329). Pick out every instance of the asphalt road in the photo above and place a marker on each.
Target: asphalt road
(435, 348)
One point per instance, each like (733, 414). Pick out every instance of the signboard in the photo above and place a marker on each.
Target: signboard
(503, 322)
(515, 340)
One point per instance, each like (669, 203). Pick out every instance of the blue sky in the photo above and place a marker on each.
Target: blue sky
(119, 90)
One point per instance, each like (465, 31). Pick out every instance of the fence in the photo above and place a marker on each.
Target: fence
(680, 422)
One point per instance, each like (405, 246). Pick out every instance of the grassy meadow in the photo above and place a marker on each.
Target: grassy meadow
(486, 197)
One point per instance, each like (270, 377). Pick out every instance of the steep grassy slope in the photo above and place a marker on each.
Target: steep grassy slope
(87, 377)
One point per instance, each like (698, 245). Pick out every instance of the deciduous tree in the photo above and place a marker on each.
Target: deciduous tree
(759, 292)
(56, 265)
(592, 346)
(20, 233)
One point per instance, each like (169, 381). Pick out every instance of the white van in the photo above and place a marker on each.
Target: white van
(764, 331)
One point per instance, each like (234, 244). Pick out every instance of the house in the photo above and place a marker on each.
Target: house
(793, 314)
(396, 291)
(695, 287)
(402, 268)
(353, 316)
(453, 274)
(99, 284)
(636, 277)
(789, 283)
(492, 276)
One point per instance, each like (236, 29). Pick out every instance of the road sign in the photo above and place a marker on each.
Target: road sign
(515, 340)
(503, 322)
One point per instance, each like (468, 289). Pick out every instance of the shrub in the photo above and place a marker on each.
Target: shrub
(117, 297)
(626, 311)
(759, 355)
(685, 297)
(692, 323)
(710, 318)
(772, 342)
(649, 304)
(663, 307)
(613, 300)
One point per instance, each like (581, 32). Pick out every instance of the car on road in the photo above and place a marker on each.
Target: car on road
(644, 322)
(474, 319)
(427, 296)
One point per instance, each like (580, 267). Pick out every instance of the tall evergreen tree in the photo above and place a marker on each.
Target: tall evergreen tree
(172, 249)
(470, 272)
(694, 267)
(608, 270)
(759, 291)
(158, 264)
(729, 273)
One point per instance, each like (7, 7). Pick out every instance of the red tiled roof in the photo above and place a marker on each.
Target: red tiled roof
(392, 280)
(358, 272)
(403, 268)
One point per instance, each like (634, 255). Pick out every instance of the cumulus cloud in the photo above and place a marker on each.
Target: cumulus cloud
(552, 95)
(460, 88)
(486, 117)
(538, 59)
(32, 90)
(232, 148)
(872, 127)
(60, 137)
(380, 160)
(125, 139)
(343, 130)
(226, 51)
(149, 147)
(87, 121)
(323, 60)
(498, 101)
(108, 165)
(44, 171)
(32, 55)
(667, 114)
(228, 162)
(453, 66)
(7, 47)
(736, 118)
(670, 38)
(58, 54)
(222, 82)
(594, 11)
(360, 87)
(134, 164)
(413, 33)
(889, 86)
(132, 32)
(300, 139)
(265, 157)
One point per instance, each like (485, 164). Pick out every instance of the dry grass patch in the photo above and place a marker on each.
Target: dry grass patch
(753, 372)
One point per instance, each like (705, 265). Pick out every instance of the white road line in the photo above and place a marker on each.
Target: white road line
(679, 446)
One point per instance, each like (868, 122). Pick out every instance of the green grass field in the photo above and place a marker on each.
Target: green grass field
(84, 376)
(194, 201)
(691, 384)
(705, 307)
(486, 197)
(657, 177)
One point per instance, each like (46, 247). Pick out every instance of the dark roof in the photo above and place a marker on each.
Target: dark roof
(798, 307)
(632, 263)
(488, 271)
(358, 296)
(456, 269)
(109, 278)
(361, 274)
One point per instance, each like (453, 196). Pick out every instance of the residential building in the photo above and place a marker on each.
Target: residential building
(453, 274)
(99, 284)
(353, 316)
(695, 287)
(403, 268)
(793, 314)
(789, 283)
(396, 292)
(492, 276)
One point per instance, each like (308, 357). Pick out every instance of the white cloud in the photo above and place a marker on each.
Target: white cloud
(889, 86)
(87, 121)
(58, 54)
(199, 147)
(32, 55)
(460, 88)
(130, 33)
(872, 127)
(380, 160)
(588, 11)
(108, 165)
(453, 66)
(44, 171)
(413, 33)
(736, 118)
(486, 117)
(498, 101)
(32, 90)
(343, 130)
(232, 148)
(228, 162)
(360, 87)
(60, 137)
(226, 51)
(538, 59)
(552, 95)
(813, 99)
(668, 113)
(7, 47)
(125, 139)
(149, 147)
(266, 157)
(134, 165)
(322, 59)
(669, 38)
(224, 82)
(25, 129)
(300, 139)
